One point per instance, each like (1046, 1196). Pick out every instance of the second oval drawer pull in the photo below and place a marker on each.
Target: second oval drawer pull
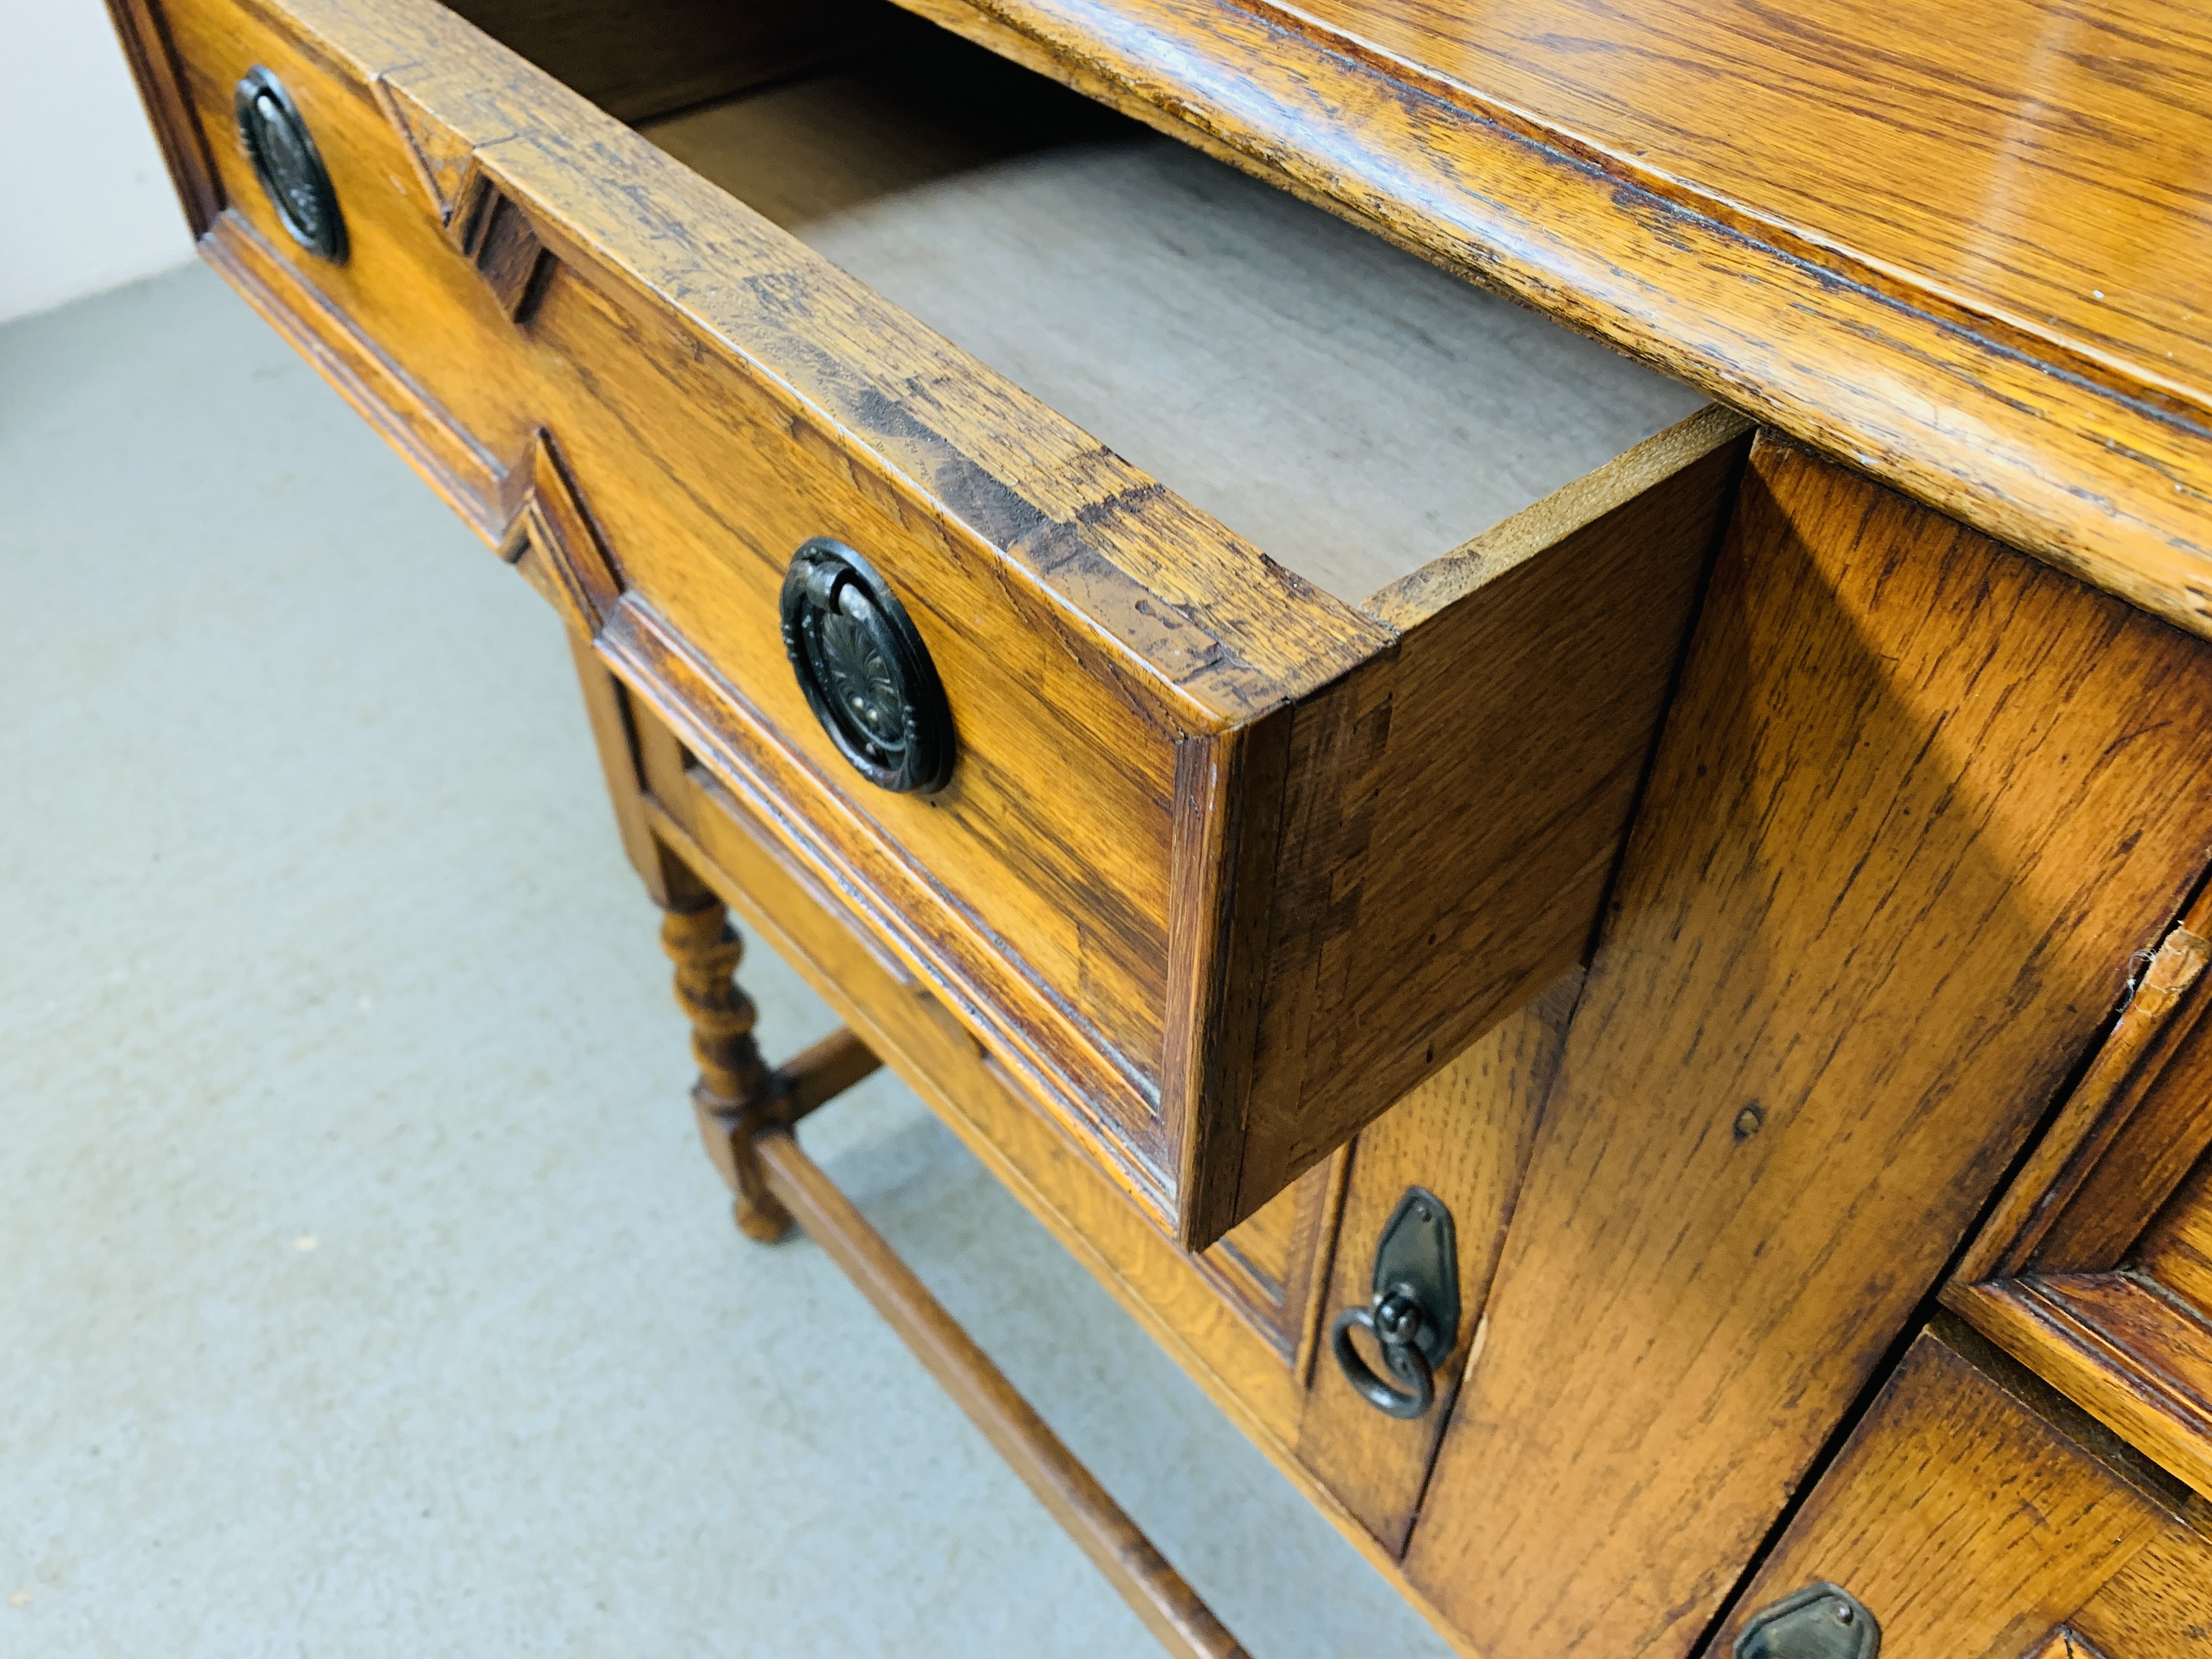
(864, 669)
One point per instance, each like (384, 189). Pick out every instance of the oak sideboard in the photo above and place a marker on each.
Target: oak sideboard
(1512, 704)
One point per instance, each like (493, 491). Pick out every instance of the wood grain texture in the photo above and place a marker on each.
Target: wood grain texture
(2135, 1358)
(1346, 407)
(1276, 1264)
(2157, 1607)
(1228, 813)
(1876, 904)
(152, 56)
(2123, 1140)
(552, 313)
(1212, 1333)
(1289, 978)
(2143, 1169)
(1270, 1266)
(1968, 1521)
(1540, 150)
(1451, 865)
(1465, 1134)
(2176, 1253)
(639, 61)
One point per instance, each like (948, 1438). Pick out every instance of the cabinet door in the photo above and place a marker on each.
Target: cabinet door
(2095, 1271)
(1918, 802)
(2157, 1607)
(1975, 1514)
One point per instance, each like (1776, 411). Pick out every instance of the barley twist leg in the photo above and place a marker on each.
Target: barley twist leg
(737, 1094)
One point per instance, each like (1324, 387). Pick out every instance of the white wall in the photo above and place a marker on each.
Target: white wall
(85, 198)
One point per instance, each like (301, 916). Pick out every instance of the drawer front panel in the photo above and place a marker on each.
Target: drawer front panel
(650, 398)
(1977, 1516)
(1202, 1310)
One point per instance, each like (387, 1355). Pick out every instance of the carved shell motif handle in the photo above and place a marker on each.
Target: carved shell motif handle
(864, 669)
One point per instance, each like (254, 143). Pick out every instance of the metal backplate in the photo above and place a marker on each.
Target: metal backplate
(1821, 1621)
(1417, 1253)
(864, 669)
(288, 165)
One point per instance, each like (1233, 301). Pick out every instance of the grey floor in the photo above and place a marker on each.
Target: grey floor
(365, 1291)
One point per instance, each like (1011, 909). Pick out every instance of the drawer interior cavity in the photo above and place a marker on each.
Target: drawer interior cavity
(1350, 410)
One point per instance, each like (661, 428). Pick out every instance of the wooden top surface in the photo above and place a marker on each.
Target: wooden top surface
(2043, 164)
(1959, 245)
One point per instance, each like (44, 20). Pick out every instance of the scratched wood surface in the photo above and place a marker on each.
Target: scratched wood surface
(1876, 905)
(1954, 247)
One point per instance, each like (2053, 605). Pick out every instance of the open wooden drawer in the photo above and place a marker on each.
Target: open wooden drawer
(1230, 849)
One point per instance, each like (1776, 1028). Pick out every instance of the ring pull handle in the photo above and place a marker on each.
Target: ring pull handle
(1395, 1321)
(864, 670)
(1413, 1314)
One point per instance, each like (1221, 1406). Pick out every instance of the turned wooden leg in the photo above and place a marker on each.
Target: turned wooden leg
(737, 1095)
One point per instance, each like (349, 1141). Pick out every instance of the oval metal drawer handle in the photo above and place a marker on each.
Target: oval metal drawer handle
(288, 165)
(864, 669)
(1414, 1314)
